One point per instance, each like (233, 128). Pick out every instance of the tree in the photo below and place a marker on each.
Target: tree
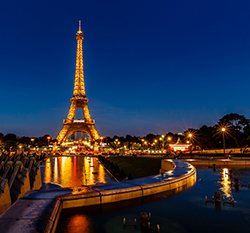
(10, 136)
(235, 124)
(10, 145)
(205, 137)
(235, 121)
(1, 137)
(24, 140)
(150, 138)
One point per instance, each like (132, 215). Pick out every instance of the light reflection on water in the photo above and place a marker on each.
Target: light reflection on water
(225, 183)
(74, 171)
(80, 223)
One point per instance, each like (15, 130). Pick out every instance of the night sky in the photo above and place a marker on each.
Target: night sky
(150, 66)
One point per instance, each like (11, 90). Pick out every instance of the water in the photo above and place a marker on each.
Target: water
(72, 172)
(178, 212)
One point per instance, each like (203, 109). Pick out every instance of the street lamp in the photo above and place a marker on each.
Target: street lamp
(155, 143)
(163, 141)
(223, 130)
(48, 138)
(116, 143)
(190, 137)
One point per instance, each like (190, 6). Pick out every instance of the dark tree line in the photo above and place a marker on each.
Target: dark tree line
(11, 141)
(237, 134)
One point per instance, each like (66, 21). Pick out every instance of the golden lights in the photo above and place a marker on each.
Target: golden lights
(74, 171)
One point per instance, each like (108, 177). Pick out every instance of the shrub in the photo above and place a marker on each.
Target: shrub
(122, 174)
(117, 170)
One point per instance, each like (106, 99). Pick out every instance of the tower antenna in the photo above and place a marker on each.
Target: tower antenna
(79, 25)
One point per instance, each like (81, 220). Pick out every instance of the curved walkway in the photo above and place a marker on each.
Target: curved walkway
(39, 210)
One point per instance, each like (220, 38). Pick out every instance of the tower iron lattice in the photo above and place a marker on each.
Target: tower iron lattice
(79, 100)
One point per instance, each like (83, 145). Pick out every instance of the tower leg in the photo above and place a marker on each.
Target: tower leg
(75, 136)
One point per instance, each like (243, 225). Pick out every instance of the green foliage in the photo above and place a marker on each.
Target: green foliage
(25, 147)
(10, 145)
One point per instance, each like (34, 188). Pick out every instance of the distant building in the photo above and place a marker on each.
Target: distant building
(179, 146)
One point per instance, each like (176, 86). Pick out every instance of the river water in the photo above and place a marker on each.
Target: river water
(179, 211)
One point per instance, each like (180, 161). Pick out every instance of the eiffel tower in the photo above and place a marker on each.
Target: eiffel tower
(79, 100)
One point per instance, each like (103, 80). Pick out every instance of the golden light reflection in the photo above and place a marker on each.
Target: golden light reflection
(79, 223)
(56, 171)
(86, 171)
(225, 183)
(74, 171)
(47, 175)
(101, 174)
(66, 172)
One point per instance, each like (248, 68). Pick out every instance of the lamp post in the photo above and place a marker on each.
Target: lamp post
(32, 141)
(116, 143)
(169, 140)
(162, 139)
(190, 140)
(48, 140)
(190, 136)
(223, 130)
(155, 143)
(142, 142)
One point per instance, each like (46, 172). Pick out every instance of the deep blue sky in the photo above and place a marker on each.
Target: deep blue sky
(150, 66)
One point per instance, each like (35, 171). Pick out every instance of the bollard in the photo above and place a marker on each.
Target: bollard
(228, 202)
(128, 224)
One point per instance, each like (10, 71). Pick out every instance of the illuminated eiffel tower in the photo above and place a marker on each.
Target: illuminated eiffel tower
(71, 125)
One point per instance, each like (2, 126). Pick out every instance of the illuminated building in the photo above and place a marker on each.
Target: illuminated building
(179, 146)
(71, 125)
